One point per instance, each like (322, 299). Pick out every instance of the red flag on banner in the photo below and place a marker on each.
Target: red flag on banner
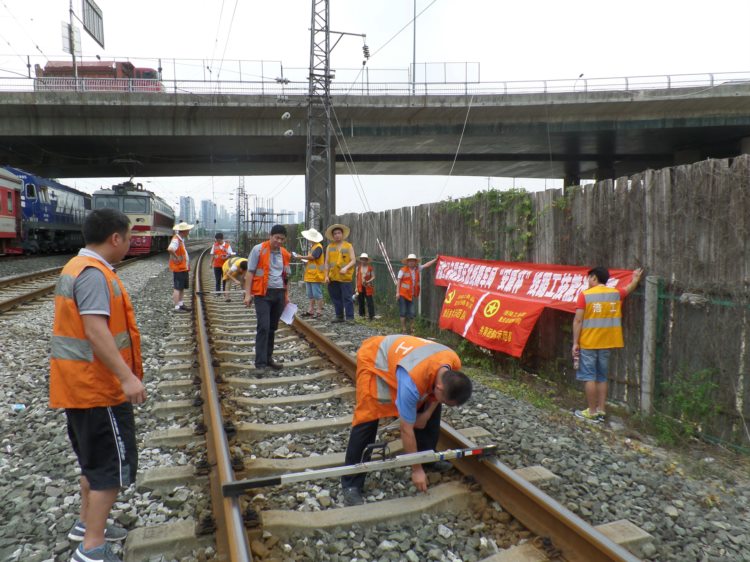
(489, 319)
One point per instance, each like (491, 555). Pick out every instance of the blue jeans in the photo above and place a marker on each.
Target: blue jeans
(594, 365)
(341, 295)
(406, 308)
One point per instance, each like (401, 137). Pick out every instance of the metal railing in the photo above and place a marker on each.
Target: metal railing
(285, 89)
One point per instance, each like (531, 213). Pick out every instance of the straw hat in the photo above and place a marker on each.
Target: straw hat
(364, 256)
(409, 257)
(312, 235)
(183, 226)
(343, 227)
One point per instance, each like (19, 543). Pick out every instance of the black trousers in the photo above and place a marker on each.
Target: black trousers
(361, 298)
(268, 310)
(218, 274)
(365, 433)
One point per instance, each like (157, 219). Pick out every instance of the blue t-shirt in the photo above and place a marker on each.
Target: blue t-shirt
(407, 396)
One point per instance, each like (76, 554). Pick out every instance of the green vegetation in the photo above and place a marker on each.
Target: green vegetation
(684, 408)
(519, 218)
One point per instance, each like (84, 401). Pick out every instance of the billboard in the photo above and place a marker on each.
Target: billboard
(93, 22)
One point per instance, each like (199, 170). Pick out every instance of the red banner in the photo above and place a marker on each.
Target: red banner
(489, 319)
(496, 304)
(557, 286)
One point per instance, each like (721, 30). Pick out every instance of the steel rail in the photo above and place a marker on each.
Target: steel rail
(231, 538)
(539, 512)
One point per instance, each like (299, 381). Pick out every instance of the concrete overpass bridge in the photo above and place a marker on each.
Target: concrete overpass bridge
(592, 130)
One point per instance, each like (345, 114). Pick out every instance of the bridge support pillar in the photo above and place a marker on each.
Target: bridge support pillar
(689, 156)
(605, 171)
(745, 145)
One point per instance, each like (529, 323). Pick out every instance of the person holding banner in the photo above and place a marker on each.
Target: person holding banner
(409, 378)
(597, 329)
(407, 290)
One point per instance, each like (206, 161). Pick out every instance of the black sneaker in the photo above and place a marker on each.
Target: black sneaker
(352, 496)
(185, 308)
(276, 366)
(337, 320)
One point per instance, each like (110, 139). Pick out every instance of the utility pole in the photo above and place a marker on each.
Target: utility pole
(240, 210)
(320, 189)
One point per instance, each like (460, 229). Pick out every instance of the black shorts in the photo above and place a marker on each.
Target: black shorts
(104, 442)
(181, 280)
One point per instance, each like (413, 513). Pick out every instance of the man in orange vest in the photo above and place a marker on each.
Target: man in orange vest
(597, 329)
(266, 284)
(221, 252)
(179, 264)
(409, 378)
(365, 286)
(95, 374)
(408, 288)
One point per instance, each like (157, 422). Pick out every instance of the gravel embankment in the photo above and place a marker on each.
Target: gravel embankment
(603, 475)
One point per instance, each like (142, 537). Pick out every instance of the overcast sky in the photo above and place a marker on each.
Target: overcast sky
(511, 40)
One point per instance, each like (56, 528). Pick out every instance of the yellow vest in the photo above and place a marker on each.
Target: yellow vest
(315, 269)
(338, 258)
(602, 319)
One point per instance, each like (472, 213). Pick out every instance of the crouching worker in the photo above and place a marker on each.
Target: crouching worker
(409, 378)
(234, 270)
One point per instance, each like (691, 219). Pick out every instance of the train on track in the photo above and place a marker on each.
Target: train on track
(97, 76)
(39, 215)
(152, 217)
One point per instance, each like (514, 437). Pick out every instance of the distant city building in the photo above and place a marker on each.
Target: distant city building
(300, 217)
(187, 210)
(208, 215)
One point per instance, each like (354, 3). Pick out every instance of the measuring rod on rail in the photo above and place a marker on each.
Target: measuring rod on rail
(232, 489)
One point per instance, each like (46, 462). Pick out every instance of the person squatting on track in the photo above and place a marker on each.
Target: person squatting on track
(365, 286)
(315, 272)
(221, 251)
(234, 270)
(408, 289)
(266, 283)
(597, 329)
(179, 264)
(339, 268)
(409, 378)
(96, 375)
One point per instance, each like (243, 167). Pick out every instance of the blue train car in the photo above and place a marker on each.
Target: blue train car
(52, 214)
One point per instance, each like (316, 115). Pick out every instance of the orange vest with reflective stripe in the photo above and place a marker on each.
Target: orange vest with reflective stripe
(262, 270)
(78, 379)
(182, 252)
(602, 319)
(221, 253)
(364, 273)
(315, 269)
(404, 284)
(377, 361)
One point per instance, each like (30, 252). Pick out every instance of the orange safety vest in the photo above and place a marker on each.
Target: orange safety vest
(602, 319)
(315, 269)
(260, 276)
(377, 360)
(181, 252)
(221, 253)
(404, 284)
(339, 257)
(364, 274)
(79, 379)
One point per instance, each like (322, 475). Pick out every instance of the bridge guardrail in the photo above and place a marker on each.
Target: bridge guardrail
(285, 88)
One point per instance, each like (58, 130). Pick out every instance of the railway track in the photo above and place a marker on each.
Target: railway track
(27, 287)
(242, 425)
